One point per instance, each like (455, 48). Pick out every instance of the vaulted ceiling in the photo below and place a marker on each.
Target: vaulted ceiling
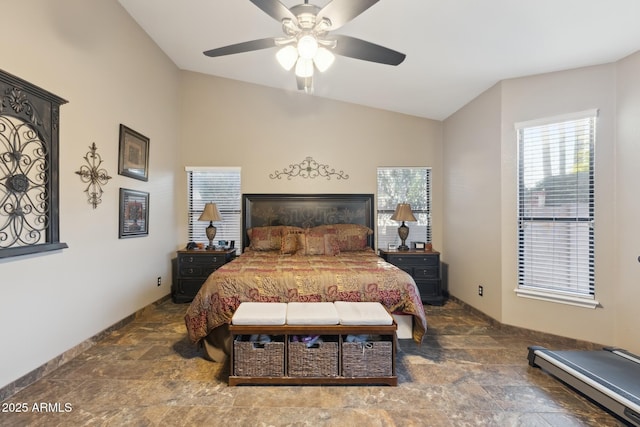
(455, 49)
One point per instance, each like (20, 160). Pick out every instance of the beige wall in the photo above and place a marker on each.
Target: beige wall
(95, 56)
(472, 191)
(494, 114)
(228, 123)
(627, 225)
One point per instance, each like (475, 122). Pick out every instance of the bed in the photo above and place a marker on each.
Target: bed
(300, 247)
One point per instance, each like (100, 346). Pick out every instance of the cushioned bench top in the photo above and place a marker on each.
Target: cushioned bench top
(260, 313)
(311, 313)
(362, 313)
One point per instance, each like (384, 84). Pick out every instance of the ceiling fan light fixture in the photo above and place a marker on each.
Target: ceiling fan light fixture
(304, 67)
(307, 46)
(323, 59)
(289, 27)
(287, 57)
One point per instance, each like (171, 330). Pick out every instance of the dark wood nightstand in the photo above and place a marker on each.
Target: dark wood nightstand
(424, 267)
(192, 269)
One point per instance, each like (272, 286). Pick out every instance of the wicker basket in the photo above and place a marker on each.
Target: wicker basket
(252, 359)
(320, 360)
(367, 359)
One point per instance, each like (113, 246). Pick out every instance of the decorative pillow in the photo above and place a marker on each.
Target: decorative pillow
(315, 242)
(351, 237)
(289, 244)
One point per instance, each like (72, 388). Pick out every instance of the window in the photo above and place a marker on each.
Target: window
(399, 185)
(220, 185)
(556, 209)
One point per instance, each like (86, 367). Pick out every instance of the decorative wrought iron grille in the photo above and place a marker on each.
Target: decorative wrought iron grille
(29, 214)
(25, 213)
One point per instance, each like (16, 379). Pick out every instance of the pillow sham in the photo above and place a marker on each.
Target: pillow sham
(351, 237)
(269, 238)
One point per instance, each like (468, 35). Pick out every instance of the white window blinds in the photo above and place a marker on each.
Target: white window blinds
(556, 206)
(220, 185)
(399, 185)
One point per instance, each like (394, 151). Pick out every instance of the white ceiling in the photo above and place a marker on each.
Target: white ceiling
(455, 49)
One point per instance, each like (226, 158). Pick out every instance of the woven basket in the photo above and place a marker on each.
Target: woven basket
(257, 360)
(317, 361)
(367, 359)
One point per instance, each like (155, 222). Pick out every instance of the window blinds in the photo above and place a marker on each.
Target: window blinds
(398, 185)
(556, 206)
(220, 185)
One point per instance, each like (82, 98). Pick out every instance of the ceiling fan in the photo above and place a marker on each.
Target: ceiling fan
(308, 44)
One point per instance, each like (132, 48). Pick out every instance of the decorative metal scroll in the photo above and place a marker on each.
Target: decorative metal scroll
(24, 214)
(93, 175)
(309, 168)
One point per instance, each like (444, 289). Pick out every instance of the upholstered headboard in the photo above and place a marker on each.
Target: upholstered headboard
(306, 210)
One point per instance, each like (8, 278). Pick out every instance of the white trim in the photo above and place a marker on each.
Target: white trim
(585, 302)
(560, 118)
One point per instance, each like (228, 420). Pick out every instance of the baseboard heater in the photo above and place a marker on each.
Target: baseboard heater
(610, 376)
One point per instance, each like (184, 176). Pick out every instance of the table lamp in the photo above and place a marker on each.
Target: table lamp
(210, 214)
(403, 213)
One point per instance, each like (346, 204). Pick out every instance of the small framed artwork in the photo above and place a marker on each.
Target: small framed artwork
(133, 155)
(419, 246)
(134, 213)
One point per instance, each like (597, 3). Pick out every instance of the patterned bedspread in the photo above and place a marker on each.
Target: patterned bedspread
(271, 277)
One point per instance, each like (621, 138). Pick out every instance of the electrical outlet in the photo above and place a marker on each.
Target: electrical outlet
(159, 280)
(480, 290)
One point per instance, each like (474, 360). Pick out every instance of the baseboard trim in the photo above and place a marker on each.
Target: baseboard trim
(527, 333)
(53, 364)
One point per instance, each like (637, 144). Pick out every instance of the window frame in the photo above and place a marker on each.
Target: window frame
(230, 207)
(582, 258)
(422, 213)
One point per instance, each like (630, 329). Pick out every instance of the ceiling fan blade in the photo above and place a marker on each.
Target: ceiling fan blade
(339, 12)
(242, 47)
(360, 49)
(275, 9)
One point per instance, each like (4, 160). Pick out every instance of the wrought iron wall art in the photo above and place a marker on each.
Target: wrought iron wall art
(309, 168)
(29, 193)
(93, 175)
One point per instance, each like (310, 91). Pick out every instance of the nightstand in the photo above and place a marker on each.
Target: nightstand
(424, 267)
(192, 269)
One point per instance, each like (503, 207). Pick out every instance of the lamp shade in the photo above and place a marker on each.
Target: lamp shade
(210, 213)
(403, 213)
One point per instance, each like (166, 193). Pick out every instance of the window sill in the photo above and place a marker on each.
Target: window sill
(584, 302)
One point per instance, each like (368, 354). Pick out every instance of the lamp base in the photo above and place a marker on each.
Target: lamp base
(211, 234)
(403, 232)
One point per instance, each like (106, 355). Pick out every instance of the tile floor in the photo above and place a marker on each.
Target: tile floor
(468, 372)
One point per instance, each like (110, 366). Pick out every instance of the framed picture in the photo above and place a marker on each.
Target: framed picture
(419, 245)
(133, 155)
(134, 213)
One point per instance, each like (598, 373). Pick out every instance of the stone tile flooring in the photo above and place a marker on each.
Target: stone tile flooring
(468, 372)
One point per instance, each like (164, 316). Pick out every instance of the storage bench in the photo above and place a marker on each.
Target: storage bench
(349, 352)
